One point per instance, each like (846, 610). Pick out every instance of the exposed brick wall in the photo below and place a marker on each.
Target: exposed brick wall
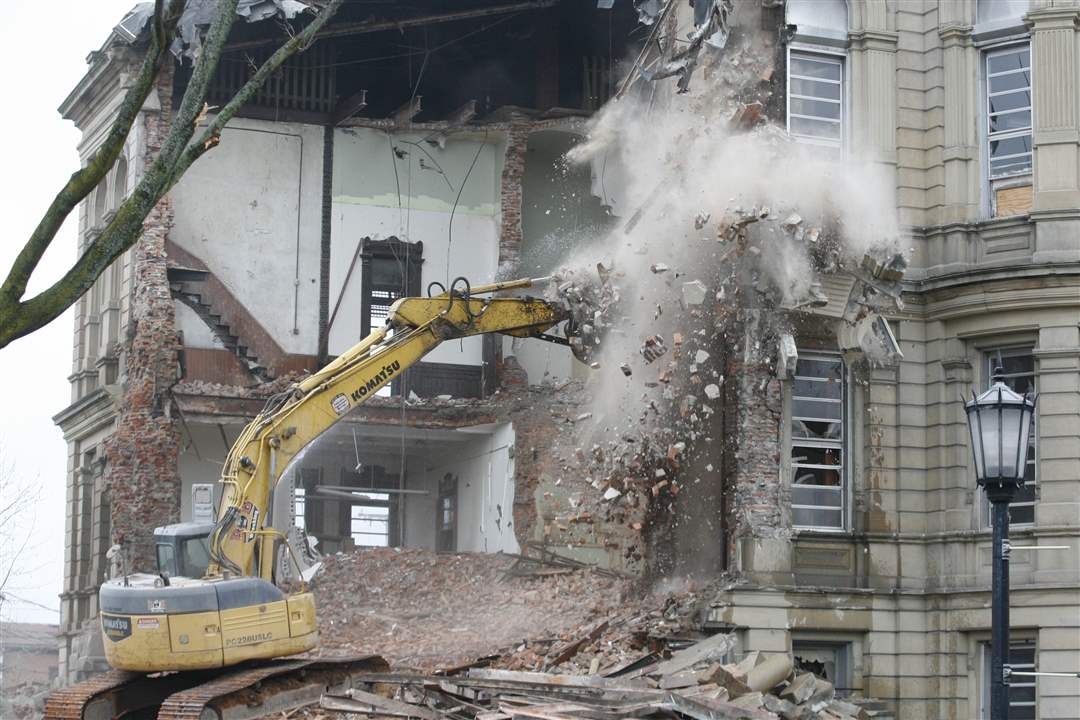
(142, 474)
(513, 173)
(754, 402)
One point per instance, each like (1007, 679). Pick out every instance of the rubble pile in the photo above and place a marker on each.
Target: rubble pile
(25, 701)
(260, 391)
(425, 610)
(689, 684)
(508, 636)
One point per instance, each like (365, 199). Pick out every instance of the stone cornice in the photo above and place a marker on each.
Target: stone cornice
(98, 403)
(874, 40)
(1054, 18)
(1002, 296)
(956, 34)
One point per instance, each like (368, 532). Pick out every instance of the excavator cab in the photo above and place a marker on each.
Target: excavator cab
(183, 549)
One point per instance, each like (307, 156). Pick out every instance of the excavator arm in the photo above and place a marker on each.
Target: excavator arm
(235, 612)
(240, 543)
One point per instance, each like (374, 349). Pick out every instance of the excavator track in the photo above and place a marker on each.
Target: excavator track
(268, 688)
(247, 692)
(68, 703)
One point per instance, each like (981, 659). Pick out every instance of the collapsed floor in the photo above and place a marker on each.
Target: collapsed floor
(507, 636)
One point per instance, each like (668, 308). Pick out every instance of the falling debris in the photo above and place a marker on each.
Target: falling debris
(788, 355)
(694, 292)
(611, 493)
(653, 348)
(626, 369)
(658, 268)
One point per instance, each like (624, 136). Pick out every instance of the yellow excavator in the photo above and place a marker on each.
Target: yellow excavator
(210, 634)
(235, 611)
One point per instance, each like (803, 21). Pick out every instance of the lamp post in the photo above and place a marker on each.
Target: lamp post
(1000, 421)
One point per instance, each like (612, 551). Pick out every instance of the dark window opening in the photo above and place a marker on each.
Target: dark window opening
(446, 522)
(445, 54)
(389, 271)
(827, 660)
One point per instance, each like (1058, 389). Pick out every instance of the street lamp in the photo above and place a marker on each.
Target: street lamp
(1000, 422)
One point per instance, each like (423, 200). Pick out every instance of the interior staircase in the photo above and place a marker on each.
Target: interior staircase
(189, 286)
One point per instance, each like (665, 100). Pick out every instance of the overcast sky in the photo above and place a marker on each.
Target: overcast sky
(43, 48)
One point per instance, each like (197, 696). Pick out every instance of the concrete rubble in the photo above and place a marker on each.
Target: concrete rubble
(539, 636)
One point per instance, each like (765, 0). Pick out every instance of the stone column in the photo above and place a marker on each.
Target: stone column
(873, 95)
(1055, 59)
(961, 152)
(1058, 417)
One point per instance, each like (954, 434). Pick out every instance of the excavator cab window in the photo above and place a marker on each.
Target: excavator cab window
(183, 550)
(196, 556)
(166, 560)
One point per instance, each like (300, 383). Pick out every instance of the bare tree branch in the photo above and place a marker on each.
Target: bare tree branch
(19, 318)
(83, 181)
(212, 135)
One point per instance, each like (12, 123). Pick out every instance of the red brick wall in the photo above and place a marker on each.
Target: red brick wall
(141, 474)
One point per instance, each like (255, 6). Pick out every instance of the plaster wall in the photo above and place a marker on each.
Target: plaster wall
(201, 459)
(397, 184)
(485, 471)
(421, 510)
(250, 209)
(195, 332)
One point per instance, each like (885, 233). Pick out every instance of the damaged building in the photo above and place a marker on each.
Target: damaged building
(803, 441)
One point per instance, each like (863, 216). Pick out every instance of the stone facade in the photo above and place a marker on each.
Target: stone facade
(902, 590)
(897, 593)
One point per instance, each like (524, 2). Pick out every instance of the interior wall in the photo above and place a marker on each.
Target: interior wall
(485, 471)
(421, 510)
(560, 218)
(201, 459)
(398, 184)
(250, 209)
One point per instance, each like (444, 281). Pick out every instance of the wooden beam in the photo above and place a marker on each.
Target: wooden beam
(463, 114)
(370, 26)
(348, 107)
(408, 111)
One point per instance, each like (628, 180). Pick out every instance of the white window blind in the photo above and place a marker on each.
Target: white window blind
(1008, 110)
(818, 435)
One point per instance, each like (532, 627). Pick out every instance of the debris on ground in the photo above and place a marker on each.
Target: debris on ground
(424, 610)
(501, 636)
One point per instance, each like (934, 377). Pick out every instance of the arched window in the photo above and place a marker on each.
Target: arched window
(101, 201)
(819, 18)
(119, 183)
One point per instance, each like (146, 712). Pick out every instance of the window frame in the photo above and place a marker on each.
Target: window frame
(831, 54)
(844, 445)
(377, 499)
(990, 357)
(300, 507)
(1015, 643)
(991, 136)
(410, 254)
(843, 662)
